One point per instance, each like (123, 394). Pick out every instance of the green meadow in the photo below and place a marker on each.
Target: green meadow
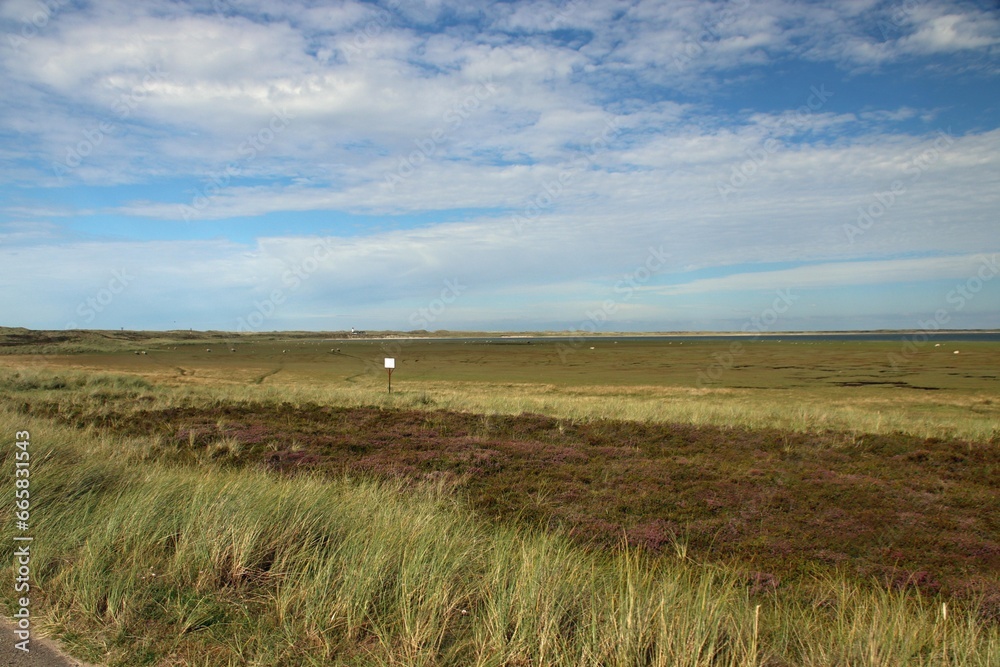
(220, 499)
(781, 382)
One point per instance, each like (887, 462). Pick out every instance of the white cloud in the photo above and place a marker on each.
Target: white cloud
(500, 111)
(952, 32)
(223, 75)
(798, 199)
(14, 234)
(841, 274)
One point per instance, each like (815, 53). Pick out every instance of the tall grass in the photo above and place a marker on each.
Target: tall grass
(253, 569)
(851, 625)
(140, 562)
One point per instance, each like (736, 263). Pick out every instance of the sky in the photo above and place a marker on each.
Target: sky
(589, 165)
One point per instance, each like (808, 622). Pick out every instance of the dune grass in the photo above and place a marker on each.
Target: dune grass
(140, 560)
(166, 564)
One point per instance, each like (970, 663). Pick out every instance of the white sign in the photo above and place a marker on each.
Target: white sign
(390, 362)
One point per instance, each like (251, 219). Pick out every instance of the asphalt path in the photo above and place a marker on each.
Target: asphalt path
(44, 652)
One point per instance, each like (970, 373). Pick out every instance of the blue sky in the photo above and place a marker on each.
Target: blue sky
(590, 164)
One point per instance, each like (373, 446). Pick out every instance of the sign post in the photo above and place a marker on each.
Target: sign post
(390, 364)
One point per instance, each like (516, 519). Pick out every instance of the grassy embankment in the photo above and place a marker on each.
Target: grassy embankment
(143, 558)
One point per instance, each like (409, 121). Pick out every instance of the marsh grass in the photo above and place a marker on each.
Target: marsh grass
(755, 409)
(137, 561)
(876, 411)
(836, 385)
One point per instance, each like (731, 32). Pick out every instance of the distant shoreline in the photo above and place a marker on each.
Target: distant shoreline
(20, 334)
(684, 334)
(619, 334)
